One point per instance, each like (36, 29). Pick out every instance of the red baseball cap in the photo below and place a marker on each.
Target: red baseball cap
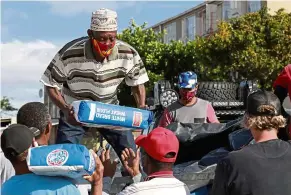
(158, 143)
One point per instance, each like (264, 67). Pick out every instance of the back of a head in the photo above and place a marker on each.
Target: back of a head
(161, 146)
(15, 142)
(263, 103)
(263, 111)
(160, 165)
(34, 114)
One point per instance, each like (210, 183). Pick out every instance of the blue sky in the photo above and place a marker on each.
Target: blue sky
(32, 32)
(51, 21)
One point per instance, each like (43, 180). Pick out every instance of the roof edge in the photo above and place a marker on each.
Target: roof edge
(181, 14)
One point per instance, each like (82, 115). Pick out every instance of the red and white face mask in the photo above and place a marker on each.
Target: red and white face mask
(103, 49)
(187, 95)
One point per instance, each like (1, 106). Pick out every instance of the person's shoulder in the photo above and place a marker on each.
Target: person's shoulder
(34, 184)
(258, 148)
(125, 48)
(6, 168)
(203, 101)
(61, 181)
(241, 152)
(157, 183)
(8, 187)
(58, 183)
(241, 155)
(74, 47)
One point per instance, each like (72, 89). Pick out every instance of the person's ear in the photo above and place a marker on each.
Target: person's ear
(48, 128)
(89, 32)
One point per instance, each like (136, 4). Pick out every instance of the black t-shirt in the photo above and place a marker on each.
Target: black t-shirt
(259, 169)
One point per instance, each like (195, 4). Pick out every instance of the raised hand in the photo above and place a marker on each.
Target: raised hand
(96, 178)
(131, 161)
(109, 166)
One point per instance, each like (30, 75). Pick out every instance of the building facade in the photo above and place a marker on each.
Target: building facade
(204, 18)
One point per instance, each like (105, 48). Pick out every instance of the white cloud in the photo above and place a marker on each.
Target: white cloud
(22, 64)
(71, 8)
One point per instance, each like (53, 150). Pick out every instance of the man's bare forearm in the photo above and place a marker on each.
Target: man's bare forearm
(139, 94)
(57, 98)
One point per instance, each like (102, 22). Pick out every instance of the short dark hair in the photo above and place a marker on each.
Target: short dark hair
(34, 114)
(162, 165)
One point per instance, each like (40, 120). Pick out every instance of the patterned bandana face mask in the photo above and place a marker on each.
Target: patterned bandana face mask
(103, 49)
(187, 95)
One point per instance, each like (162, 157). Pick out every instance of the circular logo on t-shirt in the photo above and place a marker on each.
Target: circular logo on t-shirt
(57, 157)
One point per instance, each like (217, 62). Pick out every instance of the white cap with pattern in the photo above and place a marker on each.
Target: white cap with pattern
(104, 20)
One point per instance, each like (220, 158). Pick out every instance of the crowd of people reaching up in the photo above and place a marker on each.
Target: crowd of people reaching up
(33, 130)
(260, 168)
(92, 68)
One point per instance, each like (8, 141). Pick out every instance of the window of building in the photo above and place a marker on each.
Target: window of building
(233, 4)
(254, 6)
(211, 18)
(231, 9)
(225, 9)
(170, 32)
(204, 22)
(190, 28)
(157, 30)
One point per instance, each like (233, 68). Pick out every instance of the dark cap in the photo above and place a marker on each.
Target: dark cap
(15, 140)
(257, 100)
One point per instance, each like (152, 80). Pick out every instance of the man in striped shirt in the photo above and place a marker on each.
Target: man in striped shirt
(92, 68)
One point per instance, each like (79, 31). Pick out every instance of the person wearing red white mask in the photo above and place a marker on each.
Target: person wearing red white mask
(92, 68)
(189, 108)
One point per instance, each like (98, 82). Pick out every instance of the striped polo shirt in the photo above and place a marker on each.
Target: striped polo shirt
(75, 71)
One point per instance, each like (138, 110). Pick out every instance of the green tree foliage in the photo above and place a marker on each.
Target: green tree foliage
(150, 49)
(6, 105)
(147, 43)
(256, 45)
